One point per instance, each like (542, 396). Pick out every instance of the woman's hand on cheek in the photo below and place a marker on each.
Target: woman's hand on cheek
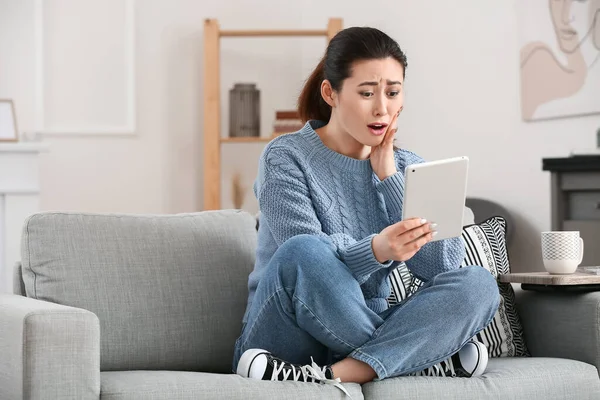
(382, 156)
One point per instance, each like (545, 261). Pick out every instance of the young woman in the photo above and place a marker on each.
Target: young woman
(330, 233)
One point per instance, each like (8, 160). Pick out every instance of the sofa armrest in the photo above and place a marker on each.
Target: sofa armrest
(562, 325)
(48, 351)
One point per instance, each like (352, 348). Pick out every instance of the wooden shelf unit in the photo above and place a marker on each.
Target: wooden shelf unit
(212, 99)
(246, 139)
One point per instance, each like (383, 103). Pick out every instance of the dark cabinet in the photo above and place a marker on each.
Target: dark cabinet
(575, 200)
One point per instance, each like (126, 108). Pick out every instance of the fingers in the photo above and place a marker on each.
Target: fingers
(389, 135)
(405, 238)
(408, 224)
(424, 231)
(411, 248)
(393, 121)
(392, 128)
(422, 240)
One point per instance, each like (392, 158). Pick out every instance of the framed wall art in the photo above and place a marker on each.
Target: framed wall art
(559, 43)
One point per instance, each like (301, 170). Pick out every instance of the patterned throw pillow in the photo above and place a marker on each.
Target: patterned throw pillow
(485, 245)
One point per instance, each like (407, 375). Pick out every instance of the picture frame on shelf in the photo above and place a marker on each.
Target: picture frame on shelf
(8, 121)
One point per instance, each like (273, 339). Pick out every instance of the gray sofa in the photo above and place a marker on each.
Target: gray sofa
(149, 307)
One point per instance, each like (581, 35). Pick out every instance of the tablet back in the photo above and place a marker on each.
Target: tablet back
(436, 191)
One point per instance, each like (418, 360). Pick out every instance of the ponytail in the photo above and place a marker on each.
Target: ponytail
(310, 102)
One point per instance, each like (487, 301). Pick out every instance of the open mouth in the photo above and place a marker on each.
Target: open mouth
(377, 128)
(568, 33)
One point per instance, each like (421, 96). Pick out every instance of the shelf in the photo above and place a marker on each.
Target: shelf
(250, 139)
(210, 196)
(23, 147)
(273, 33)
(246, 139)
(583, 163)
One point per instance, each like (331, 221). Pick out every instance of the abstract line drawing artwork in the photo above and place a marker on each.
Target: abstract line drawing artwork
(559, 58)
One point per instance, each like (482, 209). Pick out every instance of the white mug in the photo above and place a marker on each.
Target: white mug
(562, 251)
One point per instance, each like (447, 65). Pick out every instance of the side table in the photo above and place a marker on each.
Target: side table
(543, 281)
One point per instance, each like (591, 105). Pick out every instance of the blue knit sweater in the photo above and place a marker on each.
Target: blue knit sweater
(303, 187)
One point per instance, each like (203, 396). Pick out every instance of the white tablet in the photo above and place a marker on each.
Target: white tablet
(436, 191)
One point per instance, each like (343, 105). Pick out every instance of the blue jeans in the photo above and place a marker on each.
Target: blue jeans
(308, 304)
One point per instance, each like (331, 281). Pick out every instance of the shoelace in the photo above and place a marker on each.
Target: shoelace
(312, 371)
(438, 370)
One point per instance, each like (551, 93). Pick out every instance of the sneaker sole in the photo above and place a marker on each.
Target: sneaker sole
(245, 363)
(482, 359)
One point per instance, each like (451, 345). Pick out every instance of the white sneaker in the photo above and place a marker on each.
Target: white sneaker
(471, 360)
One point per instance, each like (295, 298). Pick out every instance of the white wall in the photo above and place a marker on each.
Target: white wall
(462, 98)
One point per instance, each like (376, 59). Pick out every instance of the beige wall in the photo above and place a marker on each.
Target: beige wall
(462, 98)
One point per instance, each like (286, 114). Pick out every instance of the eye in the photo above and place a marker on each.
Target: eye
(394, 93)
(367, 94)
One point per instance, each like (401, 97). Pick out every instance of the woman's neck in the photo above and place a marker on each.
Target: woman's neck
(340, 141)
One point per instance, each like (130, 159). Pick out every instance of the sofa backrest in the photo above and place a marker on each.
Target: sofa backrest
(169, 290)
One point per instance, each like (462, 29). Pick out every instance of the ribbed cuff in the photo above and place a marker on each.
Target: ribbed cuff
(360, 259)
(392, 189)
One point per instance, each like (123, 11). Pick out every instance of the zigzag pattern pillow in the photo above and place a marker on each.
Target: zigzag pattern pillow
(485, 245)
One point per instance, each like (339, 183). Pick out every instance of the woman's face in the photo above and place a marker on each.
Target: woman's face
(574, 21)
(369, 98)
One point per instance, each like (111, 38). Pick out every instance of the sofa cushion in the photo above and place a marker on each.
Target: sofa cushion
(168, 385)
(169, 290)
(485, 245)
(505, 378)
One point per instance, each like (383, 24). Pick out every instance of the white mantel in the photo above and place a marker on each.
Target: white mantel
(19, 198)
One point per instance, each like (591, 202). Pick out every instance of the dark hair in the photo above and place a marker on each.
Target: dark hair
(346, 47)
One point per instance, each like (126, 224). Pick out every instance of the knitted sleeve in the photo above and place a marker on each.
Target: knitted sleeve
(285, 204)
(434, 257)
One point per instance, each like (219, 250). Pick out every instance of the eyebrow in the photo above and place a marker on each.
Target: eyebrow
(373, 83)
